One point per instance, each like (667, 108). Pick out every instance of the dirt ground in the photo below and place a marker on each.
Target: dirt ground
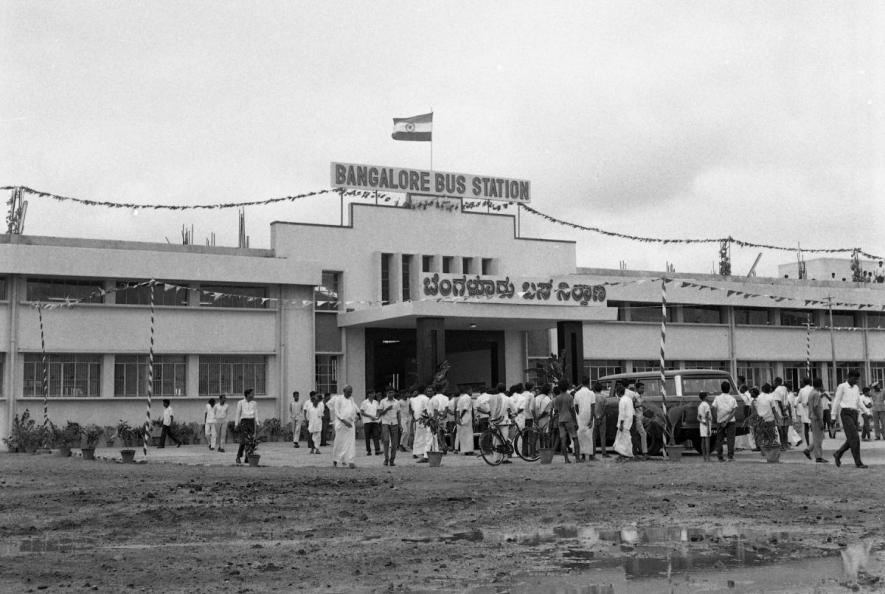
(75, 525)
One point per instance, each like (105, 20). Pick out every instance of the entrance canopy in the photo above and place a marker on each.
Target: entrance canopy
(482, 316)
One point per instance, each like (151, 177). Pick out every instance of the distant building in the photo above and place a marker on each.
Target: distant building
(830, 269)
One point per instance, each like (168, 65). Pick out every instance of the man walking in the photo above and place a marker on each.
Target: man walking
(296, 417)
(421, 442)
(781, 397)
(244, 420)
(464, 417)
(847, 405)
(816, 419)
(878, 410)
(725, 406)
(600, 421)
(168, 418)
(585, 409)
(388, 412)
(344, 446)
(564, 405)
(371, 427)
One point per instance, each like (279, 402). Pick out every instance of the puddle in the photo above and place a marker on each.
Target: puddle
(676, 559)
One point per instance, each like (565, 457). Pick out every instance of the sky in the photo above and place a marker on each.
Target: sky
(760, 120)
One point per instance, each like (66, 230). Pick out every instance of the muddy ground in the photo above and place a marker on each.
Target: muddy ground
(75, 525)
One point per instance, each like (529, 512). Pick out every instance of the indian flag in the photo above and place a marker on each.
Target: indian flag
(418, 127)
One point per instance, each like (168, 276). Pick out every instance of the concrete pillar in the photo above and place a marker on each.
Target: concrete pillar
(297, 338)
(570, 343)
(355, 362)
(415, 286)
(430, 346)
(107, 376)
(395, 272)
(514, 356)
(192, 380)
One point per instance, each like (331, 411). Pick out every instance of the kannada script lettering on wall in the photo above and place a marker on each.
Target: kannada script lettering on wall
(561, 291)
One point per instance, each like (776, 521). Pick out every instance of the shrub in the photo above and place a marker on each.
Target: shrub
(71, 434)
(25, 435)
(271, 429)
(127, 433)
(92, 434)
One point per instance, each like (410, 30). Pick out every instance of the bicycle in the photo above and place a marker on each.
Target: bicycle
(494, 446)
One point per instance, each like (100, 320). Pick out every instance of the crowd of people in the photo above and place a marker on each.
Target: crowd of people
(569, 419)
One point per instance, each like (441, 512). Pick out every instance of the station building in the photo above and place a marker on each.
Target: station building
(384, 300)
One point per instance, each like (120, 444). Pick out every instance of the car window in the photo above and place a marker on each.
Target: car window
(692, 386)
(653, 388)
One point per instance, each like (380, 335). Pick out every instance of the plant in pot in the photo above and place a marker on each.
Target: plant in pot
(110, 432)
(92, 434)
(24, 435)
(51, 436)
(434, 455)
(251, 447)
(69, 437)
(765, 434)
(128, 436)
(272, 429)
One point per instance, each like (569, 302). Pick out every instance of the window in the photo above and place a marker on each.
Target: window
(69, 375)
(647, 312)
(640, 366)
(467, 265)
(538, 343)
(794, 372)
(720, 365)
(327, 373)
(843, 368)
(487, 266)
(692, 386)
(130, 375)
(2, 289)
(407, 277)
(877, 373)
(751, 317)
(653, 387)
(327, 334)
(232, 374)
(233, 296)
(426, 263)
(59, 290)
(841, 319)
(876, 320)
(129, 294)
(796, 317)
(326, 295)
(756, 373)
(597, 368)
(447, 262)
(385, 278)
(698, 314)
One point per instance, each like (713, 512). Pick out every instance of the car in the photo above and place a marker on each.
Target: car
(682, 389)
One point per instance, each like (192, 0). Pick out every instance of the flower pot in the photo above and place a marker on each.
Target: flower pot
(253, 459)
(63, 452)
(546, 455)
(674, 454)
(88, 453)
(128, 456)
(772, 455)
(434, 458)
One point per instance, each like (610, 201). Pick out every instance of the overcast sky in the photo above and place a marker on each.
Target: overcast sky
(760, 120)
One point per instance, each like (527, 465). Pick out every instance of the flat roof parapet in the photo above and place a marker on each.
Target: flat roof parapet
(134, 245)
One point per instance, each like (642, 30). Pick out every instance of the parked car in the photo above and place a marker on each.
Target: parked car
(682, 389)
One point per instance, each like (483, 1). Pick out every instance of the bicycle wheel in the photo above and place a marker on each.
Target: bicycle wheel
(491, 447)
(527, 444)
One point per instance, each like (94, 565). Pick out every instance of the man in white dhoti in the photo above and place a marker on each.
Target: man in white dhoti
(585, 405)
(623, 441)
(437, 407)
(421, 443)
(345, 412)
(464, 417)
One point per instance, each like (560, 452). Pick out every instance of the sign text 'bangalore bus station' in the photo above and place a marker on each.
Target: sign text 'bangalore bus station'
(423, 181)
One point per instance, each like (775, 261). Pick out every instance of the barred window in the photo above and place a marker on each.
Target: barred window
(3, 289)
(597, 368)
(232, 296)
(756, 373)
(720, 365)
(796, 317)
(327, 373)
(70, 375)
(44, 289)
(128, 293)
(130, 375)
(232, 374)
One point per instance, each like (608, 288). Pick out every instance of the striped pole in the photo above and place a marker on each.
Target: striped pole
(45, 368)
(663, 362)
(150, 377)
(808, 347)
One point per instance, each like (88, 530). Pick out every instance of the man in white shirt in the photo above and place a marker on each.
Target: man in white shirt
(802, 407)
(623, 442)
(437, 407)
(847, 406)
(528, 403)
(421, 443)
(543, 415)
(388, 410)
(705, 424)
(296, 417)
(781, 397)
(244, 420)
(725, 406)
(637, 432)
(585, 407)
(464, 418)
(220, 415)
(168, 417)
(371, 426)
(481, 410)
(344, 446)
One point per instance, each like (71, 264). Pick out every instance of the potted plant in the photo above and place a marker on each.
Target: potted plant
(51, 436)
(251, 446)
(128, 436)
(110, 432)
(24, 435)
(272, 429)
(68, 437)
(91, 435)
(434, 455)
(765, 434)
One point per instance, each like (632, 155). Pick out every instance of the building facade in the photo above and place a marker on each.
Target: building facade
(385, 300)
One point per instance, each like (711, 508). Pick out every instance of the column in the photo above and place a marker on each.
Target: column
(430, 346)
(514, 356)
(395, 271)
(570, 345)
